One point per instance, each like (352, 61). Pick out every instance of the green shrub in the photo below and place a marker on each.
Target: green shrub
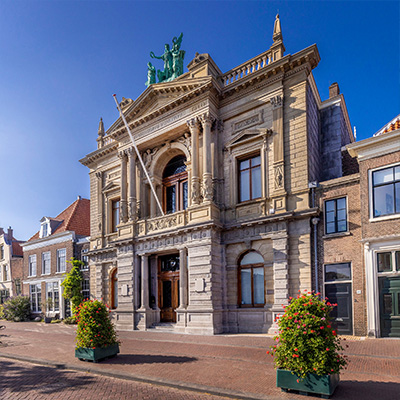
(306, 342)
(55, 321)
(70, 320)
(73, 284)
(2, 316)
(95, 328)
(17, 308)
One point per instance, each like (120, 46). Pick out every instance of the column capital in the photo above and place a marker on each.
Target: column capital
(207, 119)
(276, 101)
(193, 123)
(122, 155)
(131, 153)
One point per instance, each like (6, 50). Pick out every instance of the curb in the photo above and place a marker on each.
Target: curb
(143, 379)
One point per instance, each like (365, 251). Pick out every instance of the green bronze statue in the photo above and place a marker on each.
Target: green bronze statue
(173, 63)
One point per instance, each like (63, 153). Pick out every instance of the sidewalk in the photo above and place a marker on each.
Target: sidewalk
(230, 365)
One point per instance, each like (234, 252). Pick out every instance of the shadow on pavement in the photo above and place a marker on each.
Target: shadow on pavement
(367, 390)
(18, 378)
(148, 359)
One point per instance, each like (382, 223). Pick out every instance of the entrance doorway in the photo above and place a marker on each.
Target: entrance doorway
(168, 287)
(389, 304)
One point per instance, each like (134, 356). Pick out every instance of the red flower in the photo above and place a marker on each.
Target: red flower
(267, 351)
(327, 349)
(321, 327)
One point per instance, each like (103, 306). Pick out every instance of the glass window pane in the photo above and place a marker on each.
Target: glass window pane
(341, 204)
(341, 214)
(342, 226)
(397, 191)
(244, 164)
(384, 262)
(383, 176)
(252, 258)
(245, 275)
(256, 183)
(397, 173)
(185, 195)
(383, 200)
(244, 185)
(258, 283)
(330, 216)
(337, 272)
(397, 257)
(171, 199)
(255, 161)
(330, 205)
(330, 227)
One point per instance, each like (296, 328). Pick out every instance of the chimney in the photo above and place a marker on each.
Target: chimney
(10, 234)
(1, 231)
(79, 198)
(334, 90)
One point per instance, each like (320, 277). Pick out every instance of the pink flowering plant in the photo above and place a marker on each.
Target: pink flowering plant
(306, 341)
(95, 328)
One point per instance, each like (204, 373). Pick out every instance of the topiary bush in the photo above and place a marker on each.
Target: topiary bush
(73, 284)
(17, 308)
(95, 328)
(306, 341)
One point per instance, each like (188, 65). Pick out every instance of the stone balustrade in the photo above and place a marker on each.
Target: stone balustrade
(247, 68)
(107, 140)
(163, 223)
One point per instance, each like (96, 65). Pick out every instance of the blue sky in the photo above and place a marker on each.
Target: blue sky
(61, 61)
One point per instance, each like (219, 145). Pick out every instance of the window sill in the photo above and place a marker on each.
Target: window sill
(336, 235)
(46, 274)
(384, 218)
(60, 272)
(31, 276)
(84, 269)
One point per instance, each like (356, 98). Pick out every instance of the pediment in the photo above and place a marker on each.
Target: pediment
(247, 136)
(159, 97)
(110, 187)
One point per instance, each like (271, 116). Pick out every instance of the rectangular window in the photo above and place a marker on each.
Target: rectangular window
(45, 230)
(1, 252)
(114, 215)
(35, 294)
(84, 259)
(46, 263)
(389, 261)
(335, 215)
(86, 289)
(53, 297)
(386, 191)
(32, 265)
(18, 290)
(250, 179)
(4, 295)
(61, 260)
(337, 272)
(6, 273)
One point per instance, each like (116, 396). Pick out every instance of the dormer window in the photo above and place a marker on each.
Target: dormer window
(45, 230)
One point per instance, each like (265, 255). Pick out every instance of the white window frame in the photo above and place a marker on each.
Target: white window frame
(52, 288)
(35, 293)
(32, 260)
(371, 195)
(84, 257)
(86, 289)
(44, 254)
(59, 258)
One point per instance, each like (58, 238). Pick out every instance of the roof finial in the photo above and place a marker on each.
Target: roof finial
(100, 132)
(277, 35)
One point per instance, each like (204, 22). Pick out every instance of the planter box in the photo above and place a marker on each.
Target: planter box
(324, 385)
(99, 353)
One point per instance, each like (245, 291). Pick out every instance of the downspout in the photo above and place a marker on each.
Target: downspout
(315, 220)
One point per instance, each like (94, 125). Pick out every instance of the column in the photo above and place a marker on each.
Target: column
(195, 189)
(145, 282)
(207, 189)
(124, 184)
(99, 176)
(132, 205)
(137, 278)
(183, 288)
(277, 115)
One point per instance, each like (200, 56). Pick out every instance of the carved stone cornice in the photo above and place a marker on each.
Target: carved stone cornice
(276, 101)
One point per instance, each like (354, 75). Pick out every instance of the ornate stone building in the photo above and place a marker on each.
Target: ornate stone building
(231, 156)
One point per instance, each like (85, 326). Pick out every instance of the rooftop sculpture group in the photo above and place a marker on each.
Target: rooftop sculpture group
(173, 63)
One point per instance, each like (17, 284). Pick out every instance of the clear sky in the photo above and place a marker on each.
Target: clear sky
(61, 61)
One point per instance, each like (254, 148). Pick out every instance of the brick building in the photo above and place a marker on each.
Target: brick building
(10, 264)
(231, 156)
(46, 254)
(379, 160)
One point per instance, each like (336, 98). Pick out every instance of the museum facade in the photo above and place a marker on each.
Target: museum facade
(234, 159)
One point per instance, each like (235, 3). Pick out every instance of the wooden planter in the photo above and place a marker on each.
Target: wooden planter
(323, 385)
(96, 354)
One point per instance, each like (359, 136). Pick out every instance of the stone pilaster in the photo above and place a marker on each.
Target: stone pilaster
(195, 189)
(132, 199)
(100, 201)
(183, 281)
(207, 188)
(124, 184)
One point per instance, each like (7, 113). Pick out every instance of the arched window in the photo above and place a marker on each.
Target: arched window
(251, 280)
(175, 185)
(114, 288)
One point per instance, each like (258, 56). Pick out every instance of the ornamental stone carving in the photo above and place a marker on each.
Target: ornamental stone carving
(278, 175)
(276, 101)
(207, 189)
(148, 156)
(186, 141)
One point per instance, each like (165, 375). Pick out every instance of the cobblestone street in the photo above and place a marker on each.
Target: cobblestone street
(20, 380)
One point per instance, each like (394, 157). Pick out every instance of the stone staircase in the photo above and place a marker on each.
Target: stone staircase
(162, 327)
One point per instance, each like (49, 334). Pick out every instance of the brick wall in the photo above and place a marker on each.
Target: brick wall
(373, 229)
(345, 247)
(17, 264)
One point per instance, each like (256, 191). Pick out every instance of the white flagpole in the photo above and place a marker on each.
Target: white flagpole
(138, 154)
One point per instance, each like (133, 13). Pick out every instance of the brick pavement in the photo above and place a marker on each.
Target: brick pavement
(28, 381)
(230, 365)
